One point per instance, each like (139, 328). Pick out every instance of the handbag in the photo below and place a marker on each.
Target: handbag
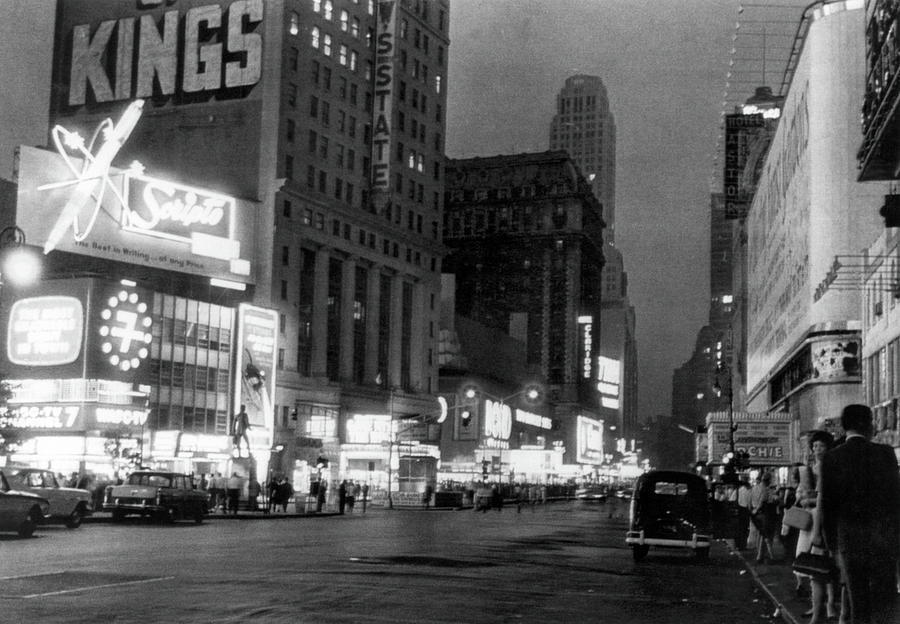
(820, 567)
(798, 517)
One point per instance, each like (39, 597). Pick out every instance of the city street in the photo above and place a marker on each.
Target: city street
(561, 562)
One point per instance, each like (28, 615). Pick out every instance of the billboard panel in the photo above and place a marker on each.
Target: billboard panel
(127, 216)
(79, 328)
(766, 437)
(590, 441)
(255, 370)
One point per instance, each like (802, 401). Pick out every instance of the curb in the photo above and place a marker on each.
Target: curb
(781, 610)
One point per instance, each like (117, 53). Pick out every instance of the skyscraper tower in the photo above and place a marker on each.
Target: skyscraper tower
(585, 127)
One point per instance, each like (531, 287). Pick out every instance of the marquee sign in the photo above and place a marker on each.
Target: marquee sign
(766, 437)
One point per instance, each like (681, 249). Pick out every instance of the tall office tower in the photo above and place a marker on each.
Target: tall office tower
(524, 235)
(301, 145)
(585, 127)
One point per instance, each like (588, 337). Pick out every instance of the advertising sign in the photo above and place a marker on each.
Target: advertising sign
(590, 440)
(255, 370)
(740, 132)
(127, 216)
(79, 328)
(173, 49)
(766, 437)
(45, 331)
(608, 376)
(78, 417)
(384, 88)
(586, 329)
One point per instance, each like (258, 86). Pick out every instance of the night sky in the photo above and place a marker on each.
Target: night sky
(664, 64)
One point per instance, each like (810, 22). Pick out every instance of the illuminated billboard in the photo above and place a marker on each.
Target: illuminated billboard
(45, 331)
(608, 379)
(79, 328)
(255, 370)
(589, 440)
(741, 132)
(766, 437)
(127, 216)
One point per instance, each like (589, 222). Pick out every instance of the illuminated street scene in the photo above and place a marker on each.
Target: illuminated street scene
(448, 310)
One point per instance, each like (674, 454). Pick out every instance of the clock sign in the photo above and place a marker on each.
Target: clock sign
(125, 330)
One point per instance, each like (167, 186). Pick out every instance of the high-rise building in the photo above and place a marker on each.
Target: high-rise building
(585, 127)
(524, 235)
(326, 119)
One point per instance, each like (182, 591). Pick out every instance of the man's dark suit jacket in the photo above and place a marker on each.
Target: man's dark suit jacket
(860, 498)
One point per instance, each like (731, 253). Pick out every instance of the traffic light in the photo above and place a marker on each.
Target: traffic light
(465, 417)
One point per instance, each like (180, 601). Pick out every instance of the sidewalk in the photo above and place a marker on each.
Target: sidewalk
(777, 582)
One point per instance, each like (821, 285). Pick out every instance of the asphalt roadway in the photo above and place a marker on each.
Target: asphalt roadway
(561, 562)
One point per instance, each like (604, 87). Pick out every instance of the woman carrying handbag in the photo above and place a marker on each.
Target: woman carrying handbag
(824, 592)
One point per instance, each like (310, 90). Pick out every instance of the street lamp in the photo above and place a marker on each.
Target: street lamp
(21, 265)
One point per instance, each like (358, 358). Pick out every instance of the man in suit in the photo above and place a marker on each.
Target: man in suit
(859, 502)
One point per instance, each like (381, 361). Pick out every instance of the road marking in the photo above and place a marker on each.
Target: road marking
(88, 587)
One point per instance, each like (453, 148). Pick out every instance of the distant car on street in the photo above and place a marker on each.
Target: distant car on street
(67, 505)
(162, 495)
(591, 493)
(20, 511)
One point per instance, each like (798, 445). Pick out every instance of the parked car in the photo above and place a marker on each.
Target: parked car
(669, 509)
(67, 505)
(591, 493)
(20, 511)
(162, 495)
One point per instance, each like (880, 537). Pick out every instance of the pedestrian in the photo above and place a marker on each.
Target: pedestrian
(519, 495)
(351, 495)
(743, 519)
(320, 495)
(285, 492)
(217, 491)
(763, 516)
(234, 486)
(824, 593)
(365, 495)
(253, 489)
(272, 494)
(788, 498)
(496, 498)
(859, 510)
(342, 496)
(426, 496)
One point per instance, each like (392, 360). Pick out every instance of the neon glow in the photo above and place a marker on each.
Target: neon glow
(45, 331)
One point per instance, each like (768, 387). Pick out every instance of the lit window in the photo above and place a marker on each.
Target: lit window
(345, 21)
(727, 298)
(315, 37)
(317, 5)
(295, 23)
(329, 9)
(326, 45)
(354, 59)
(437, 83)
(342, 55)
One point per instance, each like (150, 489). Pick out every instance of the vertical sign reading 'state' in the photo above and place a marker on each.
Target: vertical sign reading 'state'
(384, 87)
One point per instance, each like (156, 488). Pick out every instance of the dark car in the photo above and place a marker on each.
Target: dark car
(669, 509)
(163, 495)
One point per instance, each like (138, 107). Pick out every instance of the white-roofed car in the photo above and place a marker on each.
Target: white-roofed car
(67, 505)
(159, 494)
(20, 512)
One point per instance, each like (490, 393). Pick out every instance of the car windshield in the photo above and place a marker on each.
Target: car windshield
(150, 479)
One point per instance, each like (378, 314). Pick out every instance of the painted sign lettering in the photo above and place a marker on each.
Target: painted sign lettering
(138, 56)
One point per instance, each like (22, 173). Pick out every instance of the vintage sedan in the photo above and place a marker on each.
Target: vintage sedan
(669, 509)
(167, 496)
(20, 511)
(67, 505)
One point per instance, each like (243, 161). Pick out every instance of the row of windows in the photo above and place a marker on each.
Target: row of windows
(478, 222)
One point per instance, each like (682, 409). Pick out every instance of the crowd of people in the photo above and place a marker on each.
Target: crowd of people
(836, 521)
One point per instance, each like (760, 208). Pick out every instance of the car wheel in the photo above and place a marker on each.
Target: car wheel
(639, 551)
(26, 529)
(118, 516)
(74, 519)
(702, 554)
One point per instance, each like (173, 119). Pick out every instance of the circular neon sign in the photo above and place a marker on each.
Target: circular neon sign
(125, 330)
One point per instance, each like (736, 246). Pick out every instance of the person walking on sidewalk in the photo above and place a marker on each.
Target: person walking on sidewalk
(763, 509)
(859, 510)
(824, 593)
(234, 486)
(743, 522)
(342, 496)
